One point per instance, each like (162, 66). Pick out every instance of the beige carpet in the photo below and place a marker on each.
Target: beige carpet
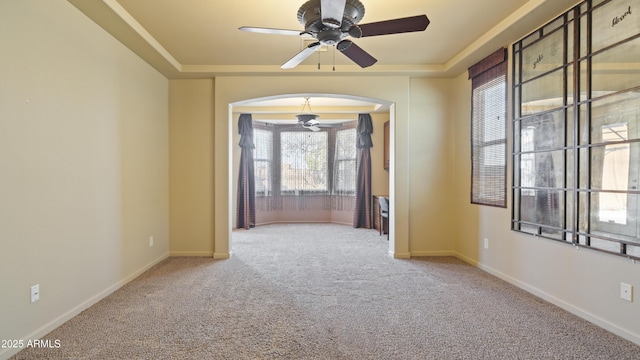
(325, 292)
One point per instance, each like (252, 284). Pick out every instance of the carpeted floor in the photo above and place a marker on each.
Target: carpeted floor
(325, 292)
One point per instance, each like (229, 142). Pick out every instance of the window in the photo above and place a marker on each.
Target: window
(293, 162)
(488, 130)
(576, 129)
(304, 161)
(345, 162)
(263, 153)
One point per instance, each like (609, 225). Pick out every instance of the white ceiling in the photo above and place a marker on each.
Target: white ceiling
(200, 38)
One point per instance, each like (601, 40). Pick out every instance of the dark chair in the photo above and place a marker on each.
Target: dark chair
(384, 213)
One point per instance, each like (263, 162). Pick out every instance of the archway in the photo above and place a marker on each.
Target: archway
(387, 107)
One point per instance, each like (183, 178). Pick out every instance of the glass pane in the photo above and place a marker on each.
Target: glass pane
(543, 132)
(531, 38)
(614, 167)
(570, 94)
(614, 22)
(583, 35)
(541, 170)
(530, 229)
(553, 25)
(262, 174)
(516, 136)
(615, 118)
(346, 144)
(583, 172)
(544, 207)
(616, 69)
(569, 126)
(569, 171)
(552, 233)
(633, 251)
(517, 103)
(304, 161)
(345, 179)
(516, 68)
(263, 153)
(615, 215)
(584, 124)
(543, 56)
(583, 211)
(584, 84)
(605, 245)
(595, 3)
(544, 93)
(569, 210)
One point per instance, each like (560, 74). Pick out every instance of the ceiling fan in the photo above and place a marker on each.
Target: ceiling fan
(331, 21)
(307, 119)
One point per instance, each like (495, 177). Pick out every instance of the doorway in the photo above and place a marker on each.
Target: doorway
(332, 108)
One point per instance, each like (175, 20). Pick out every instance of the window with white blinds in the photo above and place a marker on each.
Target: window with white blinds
(488, 131)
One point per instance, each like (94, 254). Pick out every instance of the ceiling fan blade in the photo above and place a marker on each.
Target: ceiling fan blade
(301, 56)
(356, 54)
(332, 11)
(270, 31)
(394, 26)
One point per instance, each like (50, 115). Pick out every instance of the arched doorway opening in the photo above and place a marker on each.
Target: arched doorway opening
(334, 107)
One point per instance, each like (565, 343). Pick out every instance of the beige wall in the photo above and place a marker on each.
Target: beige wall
(422, 208)
(431, 155)
(83, 165)
(583, 281)
(392, 89)
(191, 167)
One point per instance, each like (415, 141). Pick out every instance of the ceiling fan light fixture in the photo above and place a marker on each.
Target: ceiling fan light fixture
(331, 21)
(307, 118)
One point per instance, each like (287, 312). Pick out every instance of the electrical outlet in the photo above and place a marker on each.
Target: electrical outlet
(35, 293)
(150, 241)
(486, 243)
(626, 292)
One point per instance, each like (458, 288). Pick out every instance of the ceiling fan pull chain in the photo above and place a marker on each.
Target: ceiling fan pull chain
(334, 58)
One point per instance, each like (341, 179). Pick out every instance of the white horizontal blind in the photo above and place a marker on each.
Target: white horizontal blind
(488, 131)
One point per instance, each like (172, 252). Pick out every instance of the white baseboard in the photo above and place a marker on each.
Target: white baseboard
(47, 328)
(432, 253)
(191, 253)
(396, 255)
(623, 333)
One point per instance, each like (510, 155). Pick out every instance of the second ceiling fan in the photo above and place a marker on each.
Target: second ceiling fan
(331, 21)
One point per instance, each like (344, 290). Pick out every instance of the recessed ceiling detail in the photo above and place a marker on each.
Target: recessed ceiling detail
(199, 38)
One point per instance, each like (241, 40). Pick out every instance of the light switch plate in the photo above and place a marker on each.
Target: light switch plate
(35, 293)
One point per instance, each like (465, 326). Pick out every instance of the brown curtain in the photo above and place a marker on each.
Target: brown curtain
(246, 215)
(362, 212)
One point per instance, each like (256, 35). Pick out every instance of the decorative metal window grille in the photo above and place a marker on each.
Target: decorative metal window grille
(576, 128)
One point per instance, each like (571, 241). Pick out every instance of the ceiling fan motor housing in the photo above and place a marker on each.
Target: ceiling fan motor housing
(307, 119)
(310, 16)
